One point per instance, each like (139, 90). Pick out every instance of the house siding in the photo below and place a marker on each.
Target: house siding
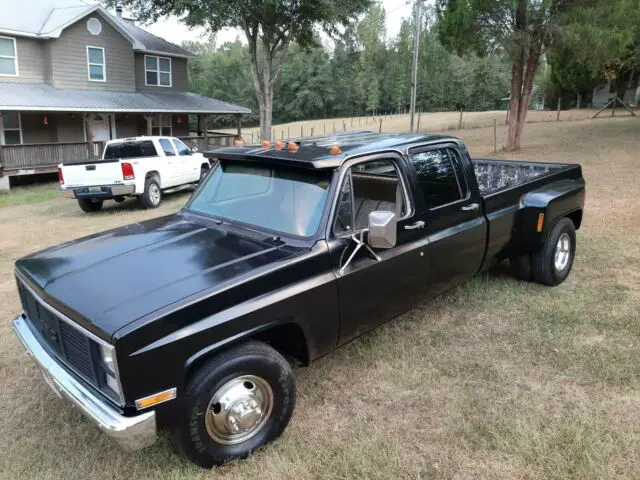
(68, 55)
(179, 81)
(31, 62)
(35, 131)
(70, 127)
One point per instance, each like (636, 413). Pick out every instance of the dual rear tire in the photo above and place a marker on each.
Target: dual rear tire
(552, 264)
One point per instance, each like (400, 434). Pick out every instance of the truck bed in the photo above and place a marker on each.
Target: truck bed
(494, 175)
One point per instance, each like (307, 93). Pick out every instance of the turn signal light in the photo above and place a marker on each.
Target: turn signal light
(127, 171)
(292, 147)
(540, 222)
(60, 177)
(335, 150)
(156, 399)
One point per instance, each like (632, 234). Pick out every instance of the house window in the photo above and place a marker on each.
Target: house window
(161, 124)
(95, 63)
(11, 128)
(157, 71)
(8, 57)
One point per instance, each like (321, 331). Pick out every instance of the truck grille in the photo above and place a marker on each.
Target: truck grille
(69, 344)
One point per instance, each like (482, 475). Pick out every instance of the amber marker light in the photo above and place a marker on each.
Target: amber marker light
(335, 150)
(292, 147)
(156, 399)
(266, 144)
(540, 222)
(279, 145)
(238, 143)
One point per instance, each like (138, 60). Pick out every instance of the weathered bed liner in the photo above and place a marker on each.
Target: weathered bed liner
(494, 175)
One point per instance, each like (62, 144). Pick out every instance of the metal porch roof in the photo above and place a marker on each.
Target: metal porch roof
(45, 98)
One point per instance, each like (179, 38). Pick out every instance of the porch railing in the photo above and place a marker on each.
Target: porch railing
(213, 140)
(42, 155)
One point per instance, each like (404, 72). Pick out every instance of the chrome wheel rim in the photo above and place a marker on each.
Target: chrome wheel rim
(563, 252)
(239, 409)
(154, 193)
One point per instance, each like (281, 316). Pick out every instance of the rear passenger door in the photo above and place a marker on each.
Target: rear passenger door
(454, 221)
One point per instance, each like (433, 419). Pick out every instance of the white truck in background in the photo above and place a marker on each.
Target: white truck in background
(140, 166)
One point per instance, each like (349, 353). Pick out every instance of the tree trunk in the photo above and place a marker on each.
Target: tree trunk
(513, 140)
(578, 101)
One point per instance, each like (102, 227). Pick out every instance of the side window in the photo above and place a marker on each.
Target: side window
(167, 147)
(181, 148)
(369, 187)
(437, 177)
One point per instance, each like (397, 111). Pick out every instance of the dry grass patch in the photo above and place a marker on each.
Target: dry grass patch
(496, 379)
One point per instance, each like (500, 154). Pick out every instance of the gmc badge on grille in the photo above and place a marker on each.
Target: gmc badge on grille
(49, 331)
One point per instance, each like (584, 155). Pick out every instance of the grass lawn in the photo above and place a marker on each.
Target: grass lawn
(29, 194)
(496, 379)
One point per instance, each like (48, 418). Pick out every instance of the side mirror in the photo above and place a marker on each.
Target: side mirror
(383, 229)
(194, 150)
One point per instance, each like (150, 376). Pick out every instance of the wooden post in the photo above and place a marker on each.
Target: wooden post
(380, 129)
(626, 106)
(352, 121)
(288, 131)
(282, 134)
(602, 109)
(1, 140)
(460, 120)
(203, 125)
(334, 127)
(559, 105)
(495, 135)
(301, 130)
(149, 120)
(324, 128)
(419, 115)
(239, 126)
(312, 129)
(615, 102)
(251, 138)
(88, 117)
(344, 126)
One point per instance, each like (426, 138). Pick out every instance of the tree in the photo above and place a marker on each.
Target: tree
(269, 26)
(570, 73)
(523, 29)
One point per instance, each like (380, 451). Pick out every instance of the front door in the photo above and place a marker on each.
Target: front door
(372, 291)
(454, 221)
(103, 127)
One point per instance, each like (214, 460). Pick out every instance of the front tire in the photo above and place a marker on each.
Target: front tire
(90, 205)
(152, 196)
(235, 402)
(552, 264)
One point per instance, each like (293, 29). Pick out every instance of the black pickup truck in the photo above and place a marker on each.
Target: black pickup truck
(285, 252)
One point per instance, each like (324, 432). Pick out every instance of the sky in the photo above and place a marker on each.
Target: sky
(173, 30)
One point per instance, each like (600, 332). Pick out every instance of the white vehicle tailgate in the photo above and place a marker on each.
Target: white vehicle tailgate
(106, 172)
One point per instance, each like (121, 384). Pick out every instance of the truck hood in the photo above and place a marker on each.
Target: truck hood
(110, 279)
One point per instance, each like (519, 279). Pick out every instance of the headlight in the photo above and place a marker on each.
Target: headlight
(109, 368)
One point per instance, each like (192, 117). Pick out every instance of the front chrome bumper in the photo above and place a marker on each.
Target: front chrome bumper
(131, 433)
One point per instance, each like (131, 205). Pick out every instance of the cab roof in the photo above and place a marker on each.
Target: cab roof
(315, 152)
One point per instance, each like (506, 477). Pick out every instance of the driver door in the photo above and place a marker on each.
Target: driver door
(371, 291)
(187, 164)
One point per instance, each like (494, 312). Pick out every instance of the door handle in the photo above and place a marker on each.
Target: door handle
(415, 226)
(471, 206)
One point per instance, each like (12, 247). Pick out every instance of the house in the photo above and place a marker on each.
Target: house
(73, 76)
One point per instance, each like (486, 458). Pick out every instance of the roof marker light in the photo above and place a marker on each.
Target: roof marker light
(335, 150)
(279, 145)
(238, 143)
(266, 144)
(292, 147)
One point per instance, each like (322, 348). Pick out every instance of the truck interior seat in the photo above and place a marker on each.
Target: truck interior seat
(375, 192)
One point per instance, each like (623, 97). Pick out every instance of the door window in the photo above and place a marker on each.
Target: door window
(439, 177)
(369, 187)
(181, 148)
(167, 147)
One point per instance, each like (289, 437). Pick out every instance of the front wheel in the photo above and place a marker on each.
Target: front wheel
(234, 403)
(552, 264)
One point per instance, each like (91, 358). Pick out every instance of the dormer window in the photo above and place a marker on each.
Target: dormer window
(157, 71)
(96, 64)
(8, 57)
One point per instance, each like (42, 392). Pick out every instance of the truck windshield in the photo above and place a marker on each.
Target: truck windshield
(287, 200)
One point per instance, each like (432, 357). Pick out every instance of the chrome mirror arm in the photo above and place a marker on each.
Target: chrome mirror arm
(359, 240)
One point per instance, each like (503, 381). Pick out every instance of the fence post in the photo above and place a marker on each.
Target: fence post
(559, 103)
(380, 129)
(288, 131)
(419, 115)
(281, 134)
(312, 129)
(495, 139)
(324, 128)
(334, 127)
(344, 126)
(460, 120)
(251, 137)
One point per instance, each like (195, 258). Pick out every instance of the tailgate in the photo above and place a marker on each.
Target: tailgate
(88, 174)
